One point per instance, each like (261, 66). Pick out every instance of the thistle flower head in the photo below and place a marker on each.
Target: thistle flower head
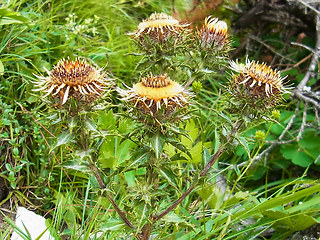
(213, 33)
(73, 78)
(159, 27)
(257, 84)
(154, 93)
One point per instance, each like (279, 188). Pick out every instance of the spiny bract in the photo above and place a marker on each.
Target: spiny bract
(73, 78)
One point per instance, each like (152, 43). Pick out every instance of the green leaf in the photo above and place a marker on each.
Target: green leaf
(177, 144)
(206, 156)
(258, 173)
(225, 117)
(244, 143)
(239, 196)
(1, 68)
(7, 16)
(310, 142)
(107, 153)
(192, 134)
(130, 178)
(106, 120)
(303, 221)
(91, 125)
(9, 167)
(278, 201)
(169, 175)
(284, 118)
(217, 141)
(124, 150)
(157, 145)
(76, 166)
(64, 138)
(212, 195)
(171, 217)
(125, 125)
(138, 158)
(296, 155)
(15, 151)
(112, 225)
(296, 222)
(281, 216)
(196, 153)
(304, 206)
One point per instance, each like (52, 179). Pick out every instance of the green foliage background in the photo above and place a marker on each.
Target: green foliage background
(42, 170)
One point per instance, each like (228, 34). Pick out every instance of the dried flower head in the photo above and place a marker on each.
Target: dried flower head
(213, 33)
(257, 84)
(73, 78)
(159, 27)
(154, 93)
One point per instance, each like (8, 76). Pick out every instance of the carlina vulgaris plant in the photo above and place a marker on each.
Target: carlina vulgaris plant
(161, 35)
(157, 103)
(213, 35)
(258, 80)
(156, 99)
(78, 87)
(73, 79)
(160, 97)
(83, 83)
(159, 28)
(208, 52)
(256, 87)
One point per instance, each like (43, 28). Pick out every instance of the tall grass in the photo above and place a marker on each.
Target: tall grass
(44, 171)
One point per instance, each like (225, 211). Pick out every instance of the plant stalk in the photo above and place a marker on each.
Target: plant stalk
(113, 203)
(193, 185)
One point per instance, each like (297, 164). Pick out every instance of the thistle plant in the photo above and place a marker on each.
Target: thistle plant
(75, 88)
(159, 106)
(256, 87)
(213, 35)
(160, 34)
(158, 97)
(73, 79)
(156, 102)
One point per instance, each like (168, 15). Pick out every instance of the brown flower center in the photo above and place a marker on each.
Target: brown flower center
(156, 81)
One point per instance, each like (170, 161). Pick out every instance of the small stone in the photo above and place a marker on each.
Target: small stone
(35, 225)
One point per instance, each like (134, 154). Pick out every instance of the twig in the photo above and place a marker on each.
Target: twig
(269, 47)
(173, 205)
(304, 120)
(304, 46)
(291, 121)
(309, 6)
(211, 162)
(281, 142)
(306, 99)
(316, 53)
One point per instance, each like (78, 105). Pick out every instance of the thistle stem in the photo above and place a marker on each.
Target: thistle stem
(113, 203)
(193, 185)
(214, 158)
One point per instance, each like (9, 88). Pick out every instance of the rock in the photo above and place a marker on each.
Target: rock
(34, 224)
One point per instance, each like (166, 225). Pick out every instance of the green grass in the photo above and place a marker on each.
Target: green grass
(47, 154)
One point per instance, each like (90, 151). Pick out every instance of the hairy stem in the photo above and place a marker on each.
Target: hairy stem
(113, 203)
(193, 185)
(214, 158)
